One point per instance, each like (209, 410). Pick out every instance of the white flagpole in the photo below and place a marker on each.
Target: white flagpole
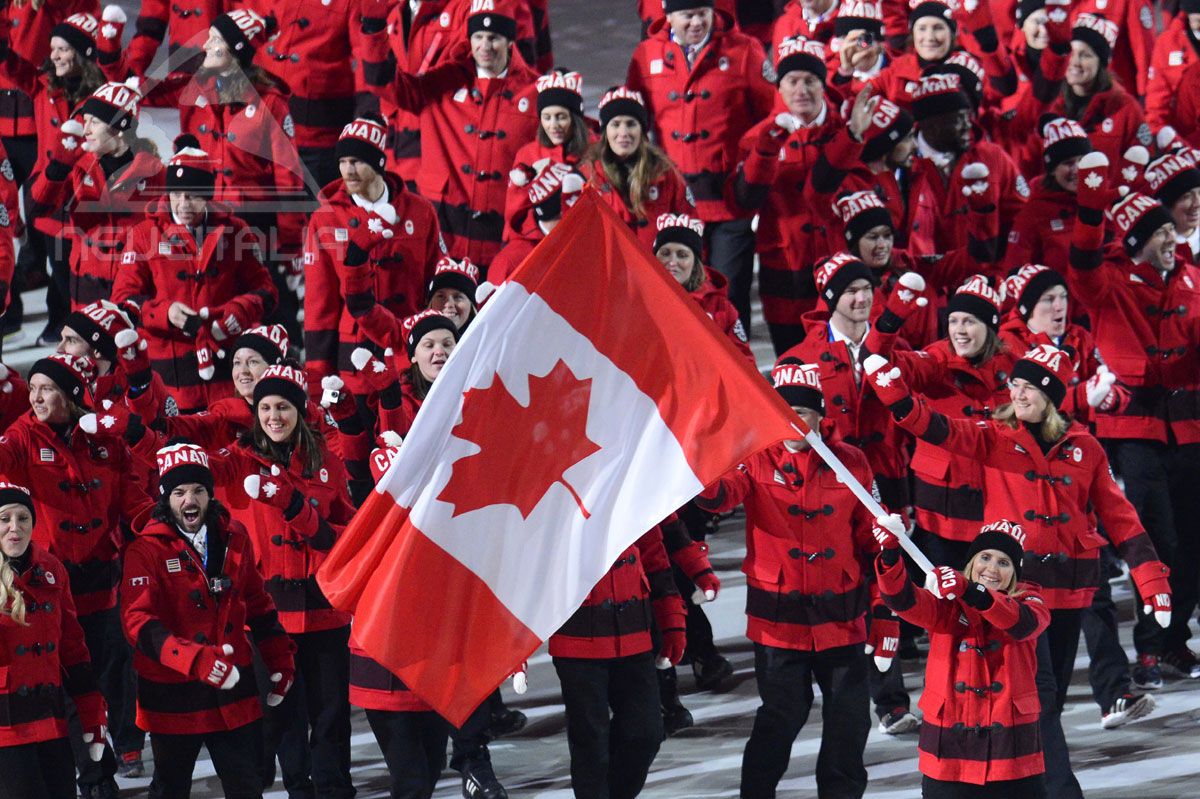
(864, 496)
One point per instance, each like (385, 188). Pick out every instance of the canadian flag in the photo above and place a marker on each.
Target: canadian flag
(588, 400)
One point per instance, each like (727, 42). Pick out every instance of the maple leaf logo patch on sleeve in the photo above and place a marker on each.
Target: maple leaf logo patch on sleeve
(549, 435)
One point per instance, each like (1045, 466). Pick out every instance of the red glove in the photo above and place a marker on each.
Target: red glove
(886, 529)
(295, 276)
(1155, 591)
(1058, 21)
(377, 372)
(889, 385)
(903, 302)
(773, 135)
(108, 43)
(96, 738)
(1133, 164)
(671, 617)
(206, 363)
(883, 638)
(1094, 193)
(226, 324)
(132, 357)
(212, 665)
(981, 192)
(275, 490)
(68, 148)
(693, 560)
(6, 385)
(945, 583)
(335, 399)
(281, 683)
(114, 419)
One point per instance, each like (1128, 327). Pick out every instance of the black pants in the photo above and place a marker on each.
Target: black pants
(785, 685)
(469, 742)
(58, 292)
(1161, 483)
(312, 724)
(233, 754)
(1027, 788)
(614, 725)
(113, 665)
(1056, 648)
(414, 748)
(44, 770)
(1108, 667)
(784, 336)
(731, 252)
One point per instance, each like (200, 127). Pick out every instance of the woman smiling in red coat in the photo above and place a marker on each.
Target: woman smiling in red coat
(981, 736)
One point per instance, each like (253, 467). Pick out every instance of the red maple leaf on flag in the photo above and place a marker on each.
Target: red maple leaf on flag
(524, 450)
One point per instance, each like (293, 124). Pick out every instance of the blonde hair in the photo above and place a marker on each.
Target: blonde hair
(646, 166)
(1054, 426)
(12, 601)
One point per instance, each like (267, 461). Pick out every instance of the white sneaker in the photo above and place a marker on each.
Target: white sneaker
(1127, 708)
(898, 721)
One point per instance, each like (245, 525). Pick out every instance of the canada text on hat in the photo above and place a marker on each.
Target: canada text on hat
(286, 372)
(1130, 209)
(410, 323)
(107, 316)
(1049, 356)
(118, 95)
(964, 59)
(482, 6)
(622, 93)
(1012, 529)
(979, 286)
(861, 10)
(365, 129)
(447, 265)
(665, 221)
(851, 205)
(85, 22)
(168, 458)
(570, 81)
(249, 23)
(805, 375)
(1105, 27)
(1164, 169)
(830, 266)
(1059, 129)
(276, 334)
(943, 83)
(798, 45)
(548, 181)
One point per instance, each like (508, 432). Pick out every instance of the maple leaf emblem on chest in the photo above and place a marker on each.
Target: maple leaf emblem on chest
(524, 450)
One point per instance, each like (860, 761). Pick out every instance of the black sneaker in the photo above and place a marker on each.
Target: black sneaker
(900, 720)
(479, 781)
(711, 672)
(105, 789)
(1181, 662)
(507, 722)
(1146, 674)
(130, 766)
(676, 718)
(1127, 708)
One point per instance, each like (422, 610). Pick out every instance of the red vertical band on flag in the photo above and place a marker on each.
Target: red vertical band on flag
(441, 630)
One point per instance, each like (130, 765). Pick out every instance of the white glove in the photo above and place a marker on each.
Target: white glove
(1099, 387)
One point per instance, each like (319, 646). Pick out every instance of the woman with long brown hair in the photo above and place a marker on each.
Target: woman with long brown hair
(633, 175)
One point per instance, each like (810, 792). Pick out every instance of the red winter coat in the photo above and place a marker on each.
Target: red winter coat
(808, 547)
(252, 141)
(699, 113)
(1041, 232)
(1114, 122)
(373, 687)
(713, 298)
(27, 30)
(615, 619)
(1174, 52)
(44, 659)
(939, 208)
(791, 22)
(948, 489)
(183, 23)
(83, 493)
(791, 239)
(331, 66)
(1146, 328)
(471, 129)
(1077, 341)
(290, 545)
(403, 267)
(1053, 496)
(855, 412)
(839, 168)
(1135, 38)
(100, 212)
(163, 264)
(668, 195)
(980, 702)
(170, 613)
